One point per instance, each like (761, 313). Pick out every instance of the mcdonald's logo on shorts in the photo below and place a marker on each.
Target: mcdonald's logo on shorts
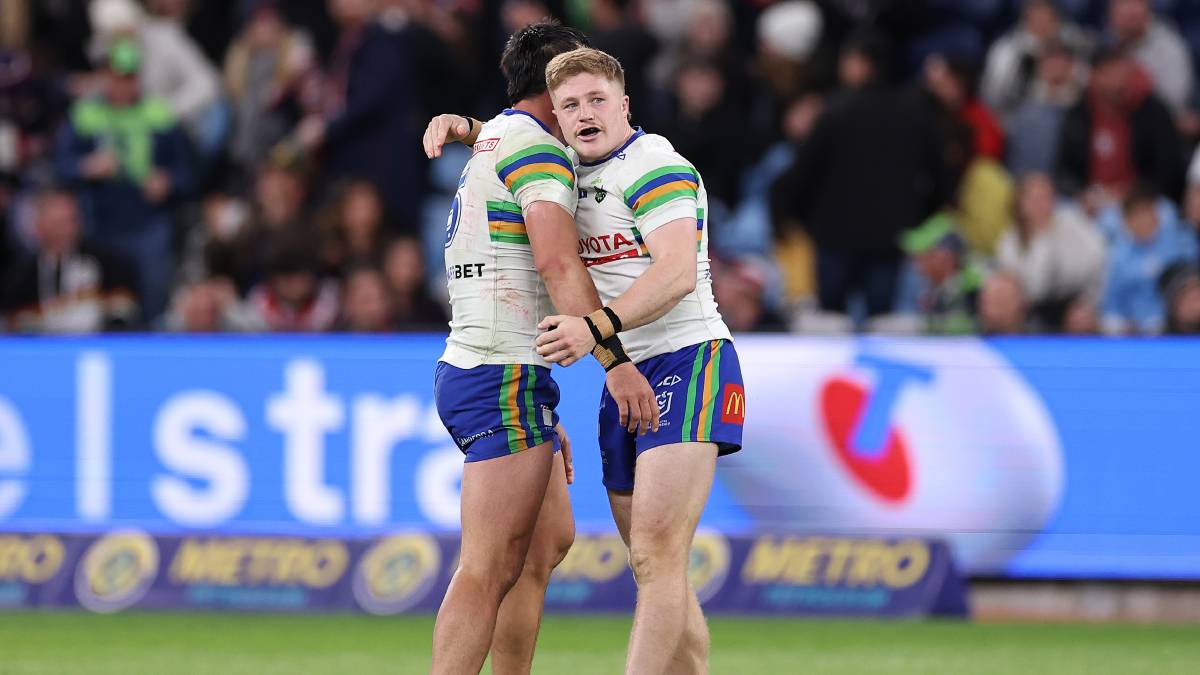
(733, 404)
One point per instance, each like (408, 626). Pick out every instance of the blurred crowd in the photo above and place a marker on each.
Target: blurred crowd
(888, 166)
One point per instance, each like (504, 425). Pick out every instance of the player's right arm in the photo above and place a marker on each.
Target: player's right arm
(449, 127)
(541, 179)
(552, 236)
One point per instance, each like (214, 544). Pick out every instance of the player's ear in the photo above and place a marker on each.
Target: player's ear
(625, 106)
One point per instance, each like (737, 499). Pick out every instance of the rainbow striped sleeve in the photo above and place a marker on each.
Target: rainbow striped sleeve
(660, 186)
(505, 223)
(535, 163)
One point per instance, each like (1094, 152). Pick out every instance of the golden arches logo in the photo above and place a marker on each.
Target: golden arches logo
(396, 573)
(116, 571)
(733, 408)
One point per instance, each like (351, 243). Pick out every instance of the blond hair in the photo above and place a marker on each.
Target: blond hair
(584, 60)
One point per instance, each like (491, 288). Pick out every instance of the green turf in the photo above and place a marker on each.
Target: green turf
(175, 644)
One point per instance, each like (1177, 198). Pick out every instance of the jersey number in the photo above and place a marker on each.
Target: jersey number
(455, 209)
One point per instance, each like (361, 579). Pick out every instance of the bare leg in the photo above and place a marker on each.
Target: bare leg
(672, 486)
(501, 499)
(691, 656)
(520, 614)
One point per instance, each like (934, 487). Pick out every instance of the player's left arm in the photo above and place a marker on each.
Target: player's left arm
(449, 127)
(669, 279)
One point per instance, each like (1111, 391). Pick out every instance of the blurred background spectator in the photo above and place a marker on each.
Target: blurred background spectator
(293, 297)
(66, 285)
(1002, 306)
(1120, 134)
(126, 154)
(172, 67)
(1146, 237)
(409, 299)
(257, 163)
(1156, 46)
(946, 293)
(1034, 123)
(870, 169)
(1013, 61)
(264, 69)
(352, 229)
(1180, 285)
(1052, 252)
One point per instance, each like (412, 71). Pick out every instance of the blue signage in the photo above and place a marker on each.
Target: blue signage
(1029, 457)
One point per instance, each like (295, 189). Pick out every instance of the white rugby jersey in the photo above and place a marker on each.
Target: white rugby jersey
(640, 187)
(496, 295)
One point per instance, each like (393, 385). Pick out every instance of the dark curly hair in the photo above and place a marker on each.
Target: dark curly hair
(529, 50)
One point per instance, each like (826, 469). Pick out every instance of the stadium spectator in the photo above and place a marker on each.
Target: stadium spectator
(264, 68)
(1014, 60)
(1052, 250)
(949, 281)
(209, 306)
(872, 139)
(1119, 135)
(128, 157)
(616, 30)
(1148, 239)
(1034, 124)
(366, 307)
(174, 69)
(30, 107)
(789, 33)
(789, 64)
(1156, 46)
(240, 237)
(951, 82)
(412, 306)
(1083, 318)
(1191, 197)
(739, 287)
(366, 128)
(66, 285)
(1002, 306)
(705, 32)
(750, 229)
(706, 127)
(1180, 287)
(293, 298)
(838, 196)
(972, 144)
(353, 229)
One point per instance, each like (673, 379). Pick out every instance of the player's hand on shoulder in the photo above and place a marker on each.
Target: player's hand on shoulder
(443, 128)
(564, 340)
(634, 397)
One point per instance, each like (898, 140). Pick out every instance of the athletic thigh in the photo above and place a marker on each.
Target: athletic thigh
(673, 483)
(555, 529)
(501, 499)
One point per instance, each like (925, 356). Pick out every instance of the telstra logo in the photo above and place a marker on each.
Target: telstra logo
(860, 425)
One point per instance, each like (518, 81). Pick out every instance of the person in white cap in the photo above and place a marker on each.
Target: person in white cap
(174, 69)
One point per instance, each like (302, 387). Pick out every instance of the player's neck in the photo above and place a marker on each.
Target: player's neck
(542, 109)
(628, 134)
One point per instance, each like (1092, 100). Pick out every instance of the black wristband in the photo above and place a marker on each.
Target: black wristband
(612, 316)
(610, 353)
(596, 334)
(470, 125)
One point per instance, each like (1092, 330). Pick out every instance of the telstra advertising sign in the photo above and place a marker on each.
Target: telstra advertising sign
(1034, 457)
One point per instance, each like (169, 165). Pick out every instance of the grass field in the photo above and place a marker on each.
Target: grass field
(177, 644)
